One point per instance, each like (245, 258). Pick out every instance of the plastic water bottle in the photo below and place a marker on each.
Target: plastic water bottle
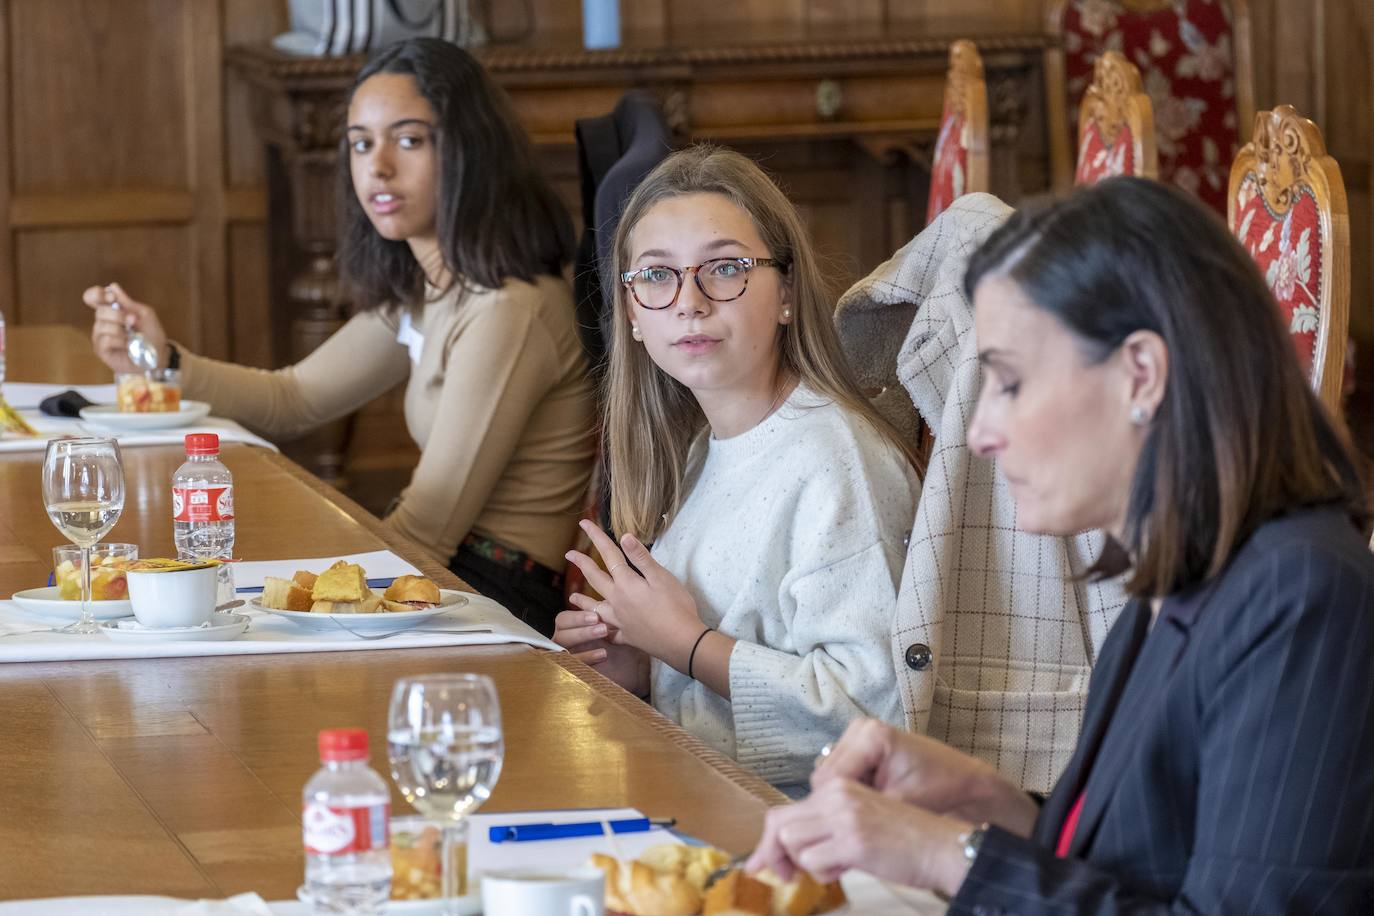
(203, 508)
(347, 814)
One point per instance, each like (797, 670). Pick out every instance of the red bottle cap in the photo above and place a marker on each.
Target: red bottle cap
(202, 444)
(343, 744)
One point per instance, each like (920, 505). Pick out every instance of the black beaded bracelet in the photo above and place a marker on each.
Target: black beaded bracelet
(693, 657)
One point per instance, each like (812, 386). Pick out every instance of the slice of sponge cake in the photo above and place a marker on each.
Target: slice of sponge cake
(284, 595)
(341, 582)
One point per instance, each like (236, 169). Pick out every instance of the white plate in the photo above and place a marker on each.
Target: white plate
(471, 905)
(45, 603)
(111, 417)
(400, 620)
(230, 627)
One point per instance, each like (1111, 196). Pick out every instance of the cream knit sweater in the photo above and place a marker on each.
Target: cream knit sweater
(791, 541)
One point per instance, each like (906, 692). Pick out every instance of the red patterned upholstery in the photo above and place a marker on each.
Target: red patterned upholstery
(1288, 248)
(949, 166)
(1097, 160)
(1287, 205)
(1186, 54)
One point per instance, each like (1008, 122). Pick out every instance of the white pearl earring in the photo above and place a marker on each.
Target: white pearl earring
(786, 314)
(634, 332)
(1138, 415)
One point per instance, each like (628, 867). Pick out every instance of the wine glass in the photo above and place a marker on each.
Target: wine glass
(445, 744)
(83, 489)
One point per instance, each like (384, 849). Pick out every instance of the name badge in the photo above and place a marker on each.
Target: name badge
(408, 337)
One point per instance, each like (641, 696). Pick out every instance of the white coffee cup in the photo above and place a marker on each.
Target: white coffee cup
(544, 892)
(174, 597)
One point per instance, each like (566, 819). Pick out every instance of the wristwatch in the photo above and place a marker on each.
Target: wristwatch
(972, 840)
(173, 356)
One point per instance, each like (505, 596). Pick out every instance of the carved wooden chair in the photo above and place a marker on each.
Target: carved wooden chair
(1194, 61)
(1116, 128)
(1288, 208)
(960, 162)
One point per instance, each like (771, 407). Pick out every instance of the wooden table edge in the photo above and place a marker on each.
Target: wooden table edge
(668, 729)
(604, 686)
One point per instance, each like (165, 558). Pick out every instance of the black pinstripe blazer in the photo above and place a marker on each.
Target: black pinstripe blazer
(1226, 758)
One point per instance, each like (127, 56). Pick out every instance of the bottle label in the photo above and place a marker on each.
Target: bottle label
(338, 831)
(212, 504)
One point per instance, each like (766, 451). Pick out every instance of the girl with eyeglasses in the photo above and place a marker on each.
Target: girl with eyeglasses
(775, 499)
(452, 244)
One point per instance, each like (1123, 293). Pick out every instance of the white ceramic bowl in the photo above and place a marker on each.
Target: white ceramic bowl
(173, 598)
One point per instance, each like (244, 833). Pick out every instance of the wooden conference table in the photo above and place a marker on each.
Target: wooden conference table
(183, 776)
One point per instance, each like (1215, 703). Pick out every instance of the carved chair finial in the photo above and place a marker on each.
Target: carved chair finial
(1286, 147)
(965, 67)
(1109, 98)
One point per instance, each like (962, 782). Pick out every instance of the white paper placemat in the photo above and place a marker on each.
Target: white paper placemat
(266, 634)
(377, 564)
(866, 894)
(570, 852)
(52, 427)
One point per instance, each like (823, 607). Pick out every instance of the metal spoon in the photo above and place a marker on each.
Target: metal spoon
(141, 353)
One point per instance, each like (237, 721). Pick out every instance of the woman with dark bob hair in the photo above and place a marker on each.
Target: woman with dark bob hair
(1137, 378)
(453, 244)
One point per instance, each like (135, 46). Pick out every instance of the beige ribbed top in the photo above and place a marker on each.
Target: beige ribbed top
(498, 400)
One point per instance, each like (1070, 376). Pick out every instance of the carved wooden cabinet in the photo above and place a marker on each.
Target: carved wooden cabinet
(845, 119)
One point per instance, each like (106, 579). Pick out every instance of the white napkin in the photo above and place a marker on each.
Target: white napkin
(376, 564)
(28, 395)
(10, 627)
(240, 905)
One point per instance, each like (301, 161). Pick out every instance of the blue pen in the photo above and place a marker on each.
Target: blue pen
(520, 833)
(258, 589)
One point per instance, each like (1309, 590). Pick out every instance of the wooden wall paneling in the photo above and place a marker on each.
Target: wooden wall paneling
(510, 19)
(249, 295)
(102, 95)
(205, 146)
(248, 282)
(8, 279)
(1011, 14)
(1348, 123)
(821, 13)
(53, 266)
(247, 22)
(693, 15)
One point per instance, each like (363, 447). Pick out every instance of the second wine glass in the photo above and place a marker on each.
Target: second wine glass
(83, 490)
(446, 747)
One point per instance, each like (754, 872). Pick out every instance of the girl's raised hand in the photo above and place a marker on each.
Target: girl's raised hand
(644, 605)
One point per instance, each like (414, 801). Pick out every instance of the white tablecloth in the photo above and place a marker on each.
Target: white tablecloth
(53, 427)
(266, 634)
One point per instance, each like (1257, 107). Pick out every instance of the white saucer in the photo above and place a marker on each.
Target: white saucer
(400, 620)
(231, 626)
(471, 905)
(111, 417)
(45, 603)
